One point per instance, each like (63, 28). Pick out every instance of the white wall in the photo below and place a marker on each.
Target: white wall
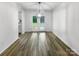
(59, 22)
(59, 19)
(65, 24)
(28, 20)
(23, 22)
(73, 25)
(8, 24)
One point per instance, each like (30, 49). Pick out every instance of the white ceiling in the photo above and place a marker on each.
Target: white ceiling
(43, 5)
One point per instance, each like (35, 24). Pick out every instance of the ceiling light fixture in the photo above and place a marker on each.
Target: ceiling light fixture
(39, 12)
(39, 15)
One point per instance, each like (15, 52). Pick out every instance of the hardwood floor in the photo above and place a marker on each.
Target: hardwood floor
(38, 44)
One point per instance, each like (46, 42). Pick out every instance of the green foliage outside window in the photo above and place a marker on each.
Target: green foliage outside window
(34, 19)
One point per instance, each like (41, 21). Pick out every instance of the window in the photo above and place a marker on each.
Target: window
(42, 19)
(34, 19)
(42, 23)
(34, 22)
(38, 23)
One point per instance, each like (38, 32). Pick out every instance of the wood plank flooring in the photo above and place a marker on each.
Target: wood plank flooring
(38, 44)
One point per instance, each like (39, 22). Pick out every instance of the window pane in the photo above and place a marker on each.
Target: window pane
(42, 19)
(34, 19)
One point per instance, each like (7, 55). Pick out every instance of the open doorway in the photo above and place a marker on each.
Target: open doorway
(19, 23)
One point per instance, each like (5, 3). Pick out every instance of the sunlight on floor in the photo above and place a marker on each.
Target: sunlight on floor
(42, 37)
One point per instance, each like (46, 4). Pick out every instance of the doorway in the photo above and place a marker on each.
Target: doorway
(19, 23)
